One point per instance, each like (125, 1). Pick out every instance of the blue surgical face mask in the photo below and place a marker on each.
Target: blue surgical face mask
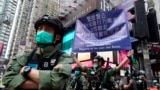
(44, 38)
(76, 73)
(92, 72)
(95, 65)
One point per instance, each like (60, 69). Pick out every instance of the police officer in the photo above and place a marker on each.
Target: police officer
(81, 83)
(98, 72)
(142, 80)
(45, 68)
(98, 63)
(102, 76)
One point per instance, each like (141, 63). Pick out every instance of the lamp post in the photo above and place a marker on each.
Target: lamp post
(142, 48)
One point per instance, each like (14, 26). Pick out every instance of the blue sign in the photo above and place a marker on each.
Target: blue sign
(102, 31)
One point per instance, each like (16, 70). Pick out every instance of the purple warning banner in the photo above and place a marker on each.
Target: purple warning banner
(102, 31)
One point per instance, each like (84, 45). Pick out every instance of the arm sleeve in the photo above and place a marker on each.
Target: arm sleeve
(87, 70)
(12, 79)
(112, 72)
(55, 79)
(84, 82)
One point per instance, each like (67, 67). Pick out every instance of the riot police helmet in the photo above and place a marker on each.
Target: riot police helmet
(51, 21)
(78, 68)
(99, 59)
(141, 72)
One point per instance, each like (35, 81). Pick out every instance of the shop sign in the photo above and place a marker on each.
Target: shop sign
(154, 47)
(104, 5)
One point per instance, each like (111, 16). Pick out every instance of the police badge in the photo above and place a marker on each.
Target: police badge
(52, 62)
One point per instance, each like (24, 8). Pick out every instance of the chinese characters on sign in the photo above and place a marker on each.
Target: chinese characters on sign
(102, 31)
(98, 24)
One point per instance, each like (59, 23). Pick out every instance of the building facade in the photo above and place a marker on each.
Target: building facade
(7, 12)
(22, 27)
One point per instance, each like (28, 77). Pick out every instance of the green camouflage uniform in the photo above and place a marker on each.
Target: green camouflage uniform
(104, 79)
(56, 79)
(83, 81)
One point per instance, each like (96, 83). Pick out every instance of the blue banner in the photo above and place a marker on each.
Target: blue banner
(102, 31)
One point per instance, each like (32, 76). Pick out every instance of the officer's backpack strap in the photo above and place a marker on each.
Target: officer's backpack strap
(76, 84)
(57, 56)
(105, 82)
(31, 55)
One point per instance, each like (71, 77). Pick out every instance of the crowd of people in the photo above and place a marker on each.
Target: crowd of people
(48, 68)
(98, 78)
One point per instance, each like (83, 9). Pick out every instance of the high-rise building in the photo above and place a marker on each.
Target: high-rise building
(7, 13)
(21, 28)
(2, 2)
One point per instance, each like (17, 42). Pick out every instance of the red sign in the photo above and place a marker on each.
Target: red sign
(1, 47)
(122, 55)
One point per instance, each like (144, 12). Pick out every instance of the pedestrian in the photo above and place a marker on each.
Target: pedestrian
(101, 79)
(44, 68)
(128, 83)
(142, 80)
